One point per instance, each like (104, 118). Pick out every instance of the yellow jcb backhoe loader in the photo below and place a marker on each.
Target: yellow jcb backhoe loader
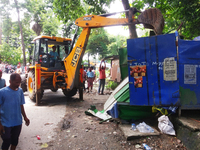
(66, 74)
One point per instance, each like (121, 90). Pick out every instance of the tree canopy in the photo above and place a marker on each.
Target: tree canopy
(56, 18)
(175, 12)
(72, 9)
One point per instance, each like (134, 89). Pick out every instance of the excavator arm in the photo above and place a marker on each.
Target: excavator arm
(151, 18)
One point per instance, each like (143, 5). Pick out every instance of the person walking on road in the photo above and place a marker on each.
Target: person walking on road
(102, 77)
(11, 112)
(90, 79)
(2, 81)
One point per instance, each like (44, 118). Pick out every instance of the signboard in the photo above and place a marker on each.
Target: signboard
(170, 69)
(190, 76)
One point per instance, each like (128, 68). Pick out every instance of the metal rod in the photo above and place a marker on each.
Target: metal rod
(74, 38)
(110, 14)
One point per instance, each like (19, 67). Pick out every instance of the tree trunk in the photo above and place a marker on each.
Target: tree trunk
(21, 32)
(132, 28)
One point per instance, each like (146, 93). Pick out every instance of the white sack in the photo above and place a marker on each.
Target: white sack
(165, 125)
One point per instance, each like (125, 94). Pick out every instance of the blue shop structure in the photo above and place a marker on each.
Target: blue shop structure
(163, 72)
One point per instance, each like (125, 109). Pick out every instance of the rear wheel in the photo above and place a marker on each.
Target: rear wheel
(69, 93)
(31, 87)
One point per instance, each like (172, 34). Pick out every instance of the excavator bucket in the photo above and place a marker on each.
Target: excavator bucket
(152, 19)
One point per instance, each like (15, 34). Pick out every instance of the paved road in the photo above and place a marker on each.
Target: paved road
(44, 119)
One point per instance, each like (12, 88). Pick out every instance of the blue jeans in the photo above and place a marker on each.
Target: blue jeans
(11, 136)
(101, 84)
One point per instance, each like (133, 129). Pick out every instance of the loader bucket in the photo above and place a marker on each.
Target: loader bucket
(152, 19)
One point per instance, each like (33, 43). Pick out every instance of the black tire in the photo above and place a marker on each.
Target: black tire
(31, 86)
(23, 84)
(54, 90)
(69, 93)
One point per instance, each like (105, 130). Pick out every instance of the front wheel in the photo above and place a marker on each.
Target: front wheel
(69, 93)
(31, 87)
(23, 83)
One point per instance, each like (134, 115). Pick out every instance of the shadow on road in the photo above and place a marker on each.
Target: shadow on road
(55, 98)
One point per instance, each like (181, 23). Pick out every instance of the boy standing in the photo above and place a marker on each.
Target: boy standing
(11, 112)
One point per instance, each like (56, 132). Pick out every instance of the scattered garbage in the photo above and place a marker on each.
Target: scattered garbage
(143, 127)
(133, 127)
(165, 110)
(161, 110)
(137, 146)
(38, 137)
(100, 114)
(74, 136)
(165, 125)
(45, 145)
(146, 146)
(173, 109)
(48, 124)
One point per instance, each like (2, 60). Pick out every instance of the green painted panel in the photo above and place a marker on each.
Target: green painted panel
(123, 62)
(124, 97)
(127, 112)
(123, 94)
(188, 97)
(121, 91)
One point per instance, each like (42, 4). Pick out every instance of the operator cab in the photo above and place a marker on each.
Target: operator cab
(42, 51)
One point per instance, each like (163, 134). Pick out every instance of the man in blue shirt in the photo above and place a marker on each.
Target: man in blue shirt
(11, 112)
(2, 81)
(53, 56)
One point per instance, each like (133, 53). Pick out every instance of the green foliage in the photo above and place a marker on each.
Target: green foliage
(97, 6)
(111, 85)
(28, 33)
(98, 42)
(175, 12)
(35, 8)
(72, 9)
(50, 23)
(68, 29)
(68, 9)
(40, 11)
(116, 43)
(10, 54)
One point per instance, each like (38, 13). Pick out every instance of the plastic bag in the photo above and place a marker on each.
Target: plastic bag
(165, 125)
(143, 127)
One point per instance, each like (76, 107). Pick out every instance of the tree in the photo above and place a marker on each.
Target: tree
(71, 10)
(132, 27)
(115, 44)
(98, 42)
(10, 54)
(35, 8)
(21, 32)
(68, 9)
(50, 24)
(175, 12)
(29, 34)
(41, 13)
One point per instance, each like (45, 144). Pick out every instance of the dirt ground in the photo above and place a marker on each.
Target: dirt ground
(78, 131)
